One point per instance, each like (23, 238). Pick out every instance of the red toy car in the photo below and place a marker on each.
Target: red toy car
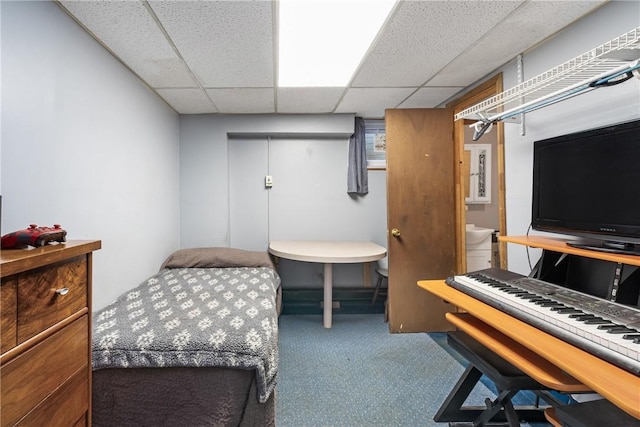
(34, 236)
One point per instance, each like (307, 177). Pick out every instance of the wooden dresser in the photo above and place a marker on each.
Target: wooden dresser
(45, 335)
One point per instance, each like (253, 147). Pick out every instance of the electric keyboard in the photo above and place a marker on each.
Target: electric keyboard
(603, 328)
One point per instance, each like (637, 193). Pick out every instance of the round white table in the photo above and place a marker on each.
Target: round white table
(328, 252)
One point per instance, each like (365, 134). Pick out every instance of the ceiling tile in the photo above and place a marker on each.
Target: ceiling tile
(131, 33)
(371, 102)
(221, 53)
(308, 100)
(430, 97)
(188, 101)
(424, 36)
(225, 43)
(526, 27)
(243, 101)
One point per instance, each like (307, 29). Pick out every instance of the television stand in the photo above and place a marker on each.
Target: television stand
(607, 274)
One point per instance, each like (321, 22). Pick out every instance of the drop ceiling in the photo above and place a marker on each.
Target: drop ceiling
(221, 56)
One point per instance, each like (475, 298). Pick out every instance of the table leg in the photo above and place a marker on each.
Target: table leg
(328, 297)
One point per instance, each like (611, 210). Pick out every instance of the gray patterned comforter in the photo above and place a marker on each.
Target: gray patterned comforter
(194, 317)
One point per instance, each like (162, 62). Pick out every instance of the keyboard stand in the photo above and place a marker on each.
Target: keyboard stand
(508, 380)
(552, 362)
(594, 413)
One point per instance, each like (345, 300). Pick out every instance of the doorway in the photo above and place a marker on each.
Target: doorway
(462, 136)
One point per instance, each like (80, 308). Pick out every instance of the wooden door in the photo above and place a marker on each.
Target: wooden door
(421, 206)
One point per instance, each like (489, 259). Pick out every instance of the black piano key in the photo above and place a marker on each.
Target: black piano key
(597, 321)
(621, 330)
(606, 327)
(551, 304)
(631, 336)
(569, 310)
(582, 317)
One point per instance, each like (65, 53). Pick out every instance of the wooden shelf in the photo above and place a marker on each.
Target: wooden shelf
(523, 358)
(595, 68)
(560, 245)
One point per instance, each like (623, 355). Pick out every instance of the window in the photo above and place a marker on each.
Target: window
(375, 139)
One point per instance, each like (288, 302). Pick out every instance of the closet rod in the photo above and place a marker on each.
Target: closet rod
(599, 67)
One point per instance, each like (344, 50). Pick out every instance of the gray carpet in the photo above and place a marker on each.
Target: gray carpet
(358, 374)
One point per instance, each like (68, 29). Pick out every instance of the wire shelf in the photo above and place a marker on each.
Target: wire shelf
(596, 68)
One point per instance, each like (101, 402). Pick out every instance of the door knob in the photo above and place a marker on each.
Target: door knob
(395, 232)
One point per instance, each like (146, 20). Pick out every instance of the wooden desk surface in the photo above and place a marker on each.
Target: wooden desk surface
(619, 386)
(560, 245)
(327, 251)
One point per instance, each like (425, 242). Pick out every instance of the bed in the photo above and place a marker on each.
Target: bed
(195, 344)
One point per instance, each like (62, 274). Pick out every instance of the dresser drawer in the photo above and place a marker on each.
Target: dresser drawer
(9, 313)
(42, 300)
(67, 406)
(41, 370)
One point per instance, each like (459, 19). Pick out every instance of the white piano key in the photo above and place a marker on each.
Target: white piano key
(598, 340)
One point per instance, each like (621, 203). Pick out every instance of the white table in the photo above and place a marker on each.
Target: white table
(328, 252)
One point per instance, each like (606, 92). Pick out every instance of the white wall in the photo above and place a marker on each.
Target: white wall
(204, 152)
(85, 144)
(598, 108)
(204, 164)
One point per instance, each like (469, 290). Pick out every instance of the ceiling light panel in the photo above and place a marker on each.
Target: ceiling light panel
(226, 43)
(321, 42)
(128, 30)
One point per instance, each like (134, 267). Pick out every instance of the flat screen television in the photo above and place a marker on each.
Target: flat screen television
(587, 184)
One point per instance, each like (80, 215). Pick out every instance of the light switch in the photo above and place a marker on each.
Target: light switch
(268, 181)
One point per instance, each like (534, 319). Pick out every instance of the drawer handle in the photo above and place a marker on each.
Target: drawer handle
(62, 291)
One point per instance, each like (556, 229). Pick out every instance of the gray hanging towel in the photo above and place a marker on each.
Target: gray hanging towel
(357, 174)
